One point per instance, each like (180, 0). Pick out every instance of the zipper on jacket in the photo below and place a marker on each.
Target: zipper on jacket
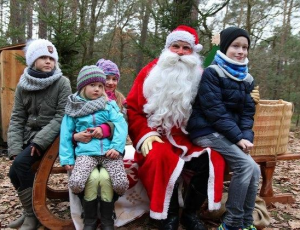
(95, 125)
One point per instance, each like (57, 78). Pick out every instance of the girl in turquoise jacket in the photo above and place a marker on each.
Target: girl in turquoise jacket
(87, 110)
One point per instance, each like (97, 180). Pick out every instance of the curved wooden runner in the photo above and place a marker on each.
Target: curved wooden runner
(41, 191)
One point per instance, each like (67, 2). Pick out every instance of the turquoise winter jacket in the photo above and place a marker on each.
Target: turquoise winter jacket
(96, 147)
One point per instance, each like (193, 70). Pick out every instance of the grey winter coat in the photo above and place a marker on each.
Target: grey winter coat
(37, 115)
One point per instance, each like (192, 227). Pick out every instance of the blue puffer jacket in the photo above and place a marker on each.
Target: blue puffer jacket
(223, 104)
(96, 147)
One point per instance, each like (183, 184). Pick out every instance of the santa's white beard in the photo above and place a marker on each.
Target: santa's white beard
(170, 90)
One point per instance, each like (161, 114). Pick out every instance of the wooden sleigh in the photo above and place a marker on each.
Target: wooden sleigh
(267, 157)
(41, 191)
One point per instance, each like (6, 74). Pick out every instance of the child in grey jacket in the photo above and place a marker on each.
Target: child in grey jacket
(40, 99)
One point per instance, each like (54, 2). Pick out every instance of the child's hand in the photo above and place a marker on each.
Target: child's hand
(68, 167)
(83, 136)
(96, 132)
(113, 154)
(245, 145)
(34, 151)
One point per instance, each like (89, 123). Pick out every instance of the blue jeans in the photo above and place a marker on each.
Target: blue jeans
(20, 172)
(244, 182)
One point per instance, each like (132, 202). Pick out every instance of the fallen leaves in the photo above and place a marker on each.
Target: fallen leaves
(283, 216)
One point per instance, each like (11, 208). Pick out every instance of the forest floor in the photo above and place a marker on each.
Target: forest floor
(283, 216)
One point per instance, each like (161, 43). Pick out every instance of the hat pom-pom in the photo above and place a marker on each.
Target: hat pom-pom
(198, 48)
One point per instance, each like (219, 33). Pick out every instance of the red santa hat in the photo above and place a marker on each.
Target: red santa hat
(186, 34)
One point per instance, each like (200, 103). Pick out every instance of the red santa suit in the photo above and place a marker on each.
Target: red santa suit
(161, 168)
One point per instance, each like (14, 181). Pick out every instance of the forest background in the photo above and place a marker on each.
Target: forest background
(133, 32)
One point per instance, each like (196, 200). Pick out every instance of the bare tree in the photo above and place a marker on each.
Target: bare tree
(95, 6)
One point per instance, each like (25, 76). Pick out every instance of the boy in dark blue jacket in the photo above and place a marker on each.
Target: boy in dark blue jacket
(222, 119)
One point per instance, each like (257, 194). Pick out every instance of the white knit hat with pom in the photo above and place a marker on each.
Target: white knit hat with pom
(38, 48)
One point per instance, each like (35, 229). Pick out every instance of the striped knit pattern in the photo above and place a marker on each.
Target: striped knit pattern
(88, 75)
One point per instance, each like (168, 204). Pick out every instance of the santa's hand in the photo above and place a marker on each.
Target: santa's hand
(147, 144)
(255, 94)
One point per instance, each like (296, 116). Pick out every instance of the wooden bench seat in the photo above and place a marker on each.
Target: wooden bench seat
(41, 191)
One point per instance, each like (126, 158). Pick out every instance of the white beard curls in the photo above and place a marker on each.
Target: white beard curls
(170, 90)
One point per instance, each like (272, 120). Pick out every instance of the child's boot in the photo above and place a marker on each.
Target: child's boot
(30, 222)
(90, 214)
(107, 215)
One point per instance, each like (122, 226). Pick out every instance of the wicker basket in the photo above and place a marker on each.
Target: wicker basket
(272, 122)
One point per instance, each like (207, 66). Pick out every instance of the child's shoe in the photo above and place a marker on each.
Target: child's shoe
(223, 226)
(251, 227)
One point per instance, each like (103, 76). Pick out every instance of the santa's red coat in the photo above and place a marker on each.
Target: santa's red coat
(163, 165)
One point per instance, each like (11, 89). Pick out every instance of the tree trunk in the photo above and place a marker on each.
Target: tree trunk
(42, 23)
(182, 12)
(146, 15)
(82, 26)
(248, 19)
(16, 28)
(29, 19)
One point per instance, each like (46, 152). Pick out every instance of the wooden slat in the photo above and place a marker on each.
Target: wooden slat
(11, 70)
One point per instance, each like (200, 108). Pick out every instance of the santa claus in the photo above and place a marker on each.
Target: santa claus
(159, 105)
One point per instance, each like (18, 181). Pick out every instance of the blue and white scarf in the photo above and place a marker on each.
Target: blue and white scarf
(233, 69)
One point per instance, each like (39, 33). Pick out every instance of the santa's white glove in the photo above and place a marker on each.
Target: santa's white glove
(147, 144)
(255, 94)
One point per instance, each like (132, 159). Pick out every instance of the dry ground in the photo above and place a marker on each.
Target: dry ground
(283, 216)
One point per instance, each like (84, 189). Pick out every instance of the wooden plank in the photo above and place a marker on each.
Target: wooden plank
(288, 156)
(11, 70)
(284, 198)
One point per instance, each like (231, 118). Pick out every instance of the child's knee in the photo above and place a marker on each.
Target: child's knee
(76, 186)
(104, 178)
(121, 186)
(94, 176)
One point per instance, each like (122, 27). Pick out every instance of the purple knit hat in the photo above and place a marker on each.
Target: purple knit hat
(108, 67)
(88, 75)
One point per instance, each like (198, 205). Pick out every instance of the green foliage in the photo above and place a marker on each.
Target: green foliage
(66, 37)
(170, 15)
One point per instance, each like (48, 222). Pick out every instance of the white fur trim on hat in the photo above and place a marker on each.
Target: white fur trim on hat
(184, 36)
(38, 48)
(198, 48)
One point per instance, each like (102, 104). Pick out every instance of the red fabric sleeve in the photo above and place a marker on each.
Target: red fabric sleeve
(137, 119)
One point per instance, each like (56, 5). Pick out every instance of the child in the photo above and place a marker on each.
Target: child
(87, 110)
(40, 99)
(222, 119)
(112, 73)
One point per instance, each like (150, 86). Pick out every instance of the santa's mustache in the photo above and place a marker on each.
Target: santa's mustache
(169, 59)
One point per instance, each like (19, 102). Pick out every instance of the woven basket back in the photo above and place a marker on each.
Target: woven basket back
(271, 128)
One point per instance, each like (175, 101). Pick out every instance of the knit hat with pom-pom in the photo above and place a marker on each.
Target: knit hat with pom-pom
(38, 48)
(90, 74)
